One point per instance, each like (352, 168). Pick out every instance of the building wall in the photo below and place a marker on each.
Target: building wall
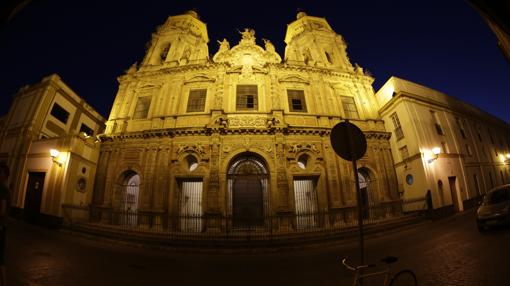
(156, 146)
(30, 131)
(479, 149)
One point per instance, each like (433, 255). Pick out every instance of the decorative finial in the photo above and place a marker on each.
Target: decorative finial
(301, 14)
(192, 13)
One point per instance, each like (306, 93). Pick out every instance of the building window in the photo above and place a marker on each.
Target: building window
(196, 100)
(328, 57)
(247, 97)
(461, 127)
(164, 52)
(396, 124)
(297, 102)
(469, 151)
(142, 107)
(87, 130)
(444, 146)
(490, 136)
(404, 153)
(438, 127)
(350, 107)
(59, 113)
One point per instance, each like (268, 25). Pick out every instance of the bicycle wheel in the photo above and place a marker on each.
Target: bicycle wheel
(404, 278)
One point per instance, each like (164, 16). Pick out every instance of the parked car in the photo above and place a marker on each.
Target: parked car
(495, 208)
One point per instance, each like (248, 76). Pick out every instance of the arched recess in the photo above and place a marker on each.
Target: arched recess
(129, 193)
(248, 191)
(368, 189)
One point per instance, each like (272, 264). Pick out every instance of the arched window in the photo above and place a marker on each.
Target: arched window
(302, 161)
(192, 163)
(248, 191)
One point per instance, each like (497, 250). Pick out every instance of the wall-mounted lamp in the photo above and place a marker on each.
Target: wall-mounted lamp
(54, 154)
(436, 151)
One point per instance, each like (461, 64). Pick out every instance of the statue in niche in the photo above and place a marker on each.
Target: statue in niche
(268, 45)
(185, 56)
(307, 56)
(248, 35)
(224, 45)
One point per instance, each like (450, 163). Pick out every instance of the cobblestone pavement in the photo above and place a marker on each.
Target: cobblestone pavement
(446, 252)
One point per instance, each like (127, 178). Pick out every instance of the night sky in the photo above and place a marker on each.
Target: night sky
(445, 45)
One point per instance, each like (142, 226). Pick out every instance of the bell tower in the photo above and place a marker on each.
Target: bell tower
(311, 41)
(182, 40)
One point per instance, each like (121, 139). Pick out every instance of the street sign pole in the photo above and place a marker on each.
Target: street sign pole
(350, 143)
(358, 195)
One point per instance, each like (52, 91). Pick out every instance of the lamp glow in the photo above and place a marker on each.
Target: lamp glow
(436, 150)
(54, 153)
(508, 155)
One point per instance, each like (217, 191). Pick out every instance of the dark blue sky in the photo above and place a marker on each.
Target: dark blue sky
(445, 45)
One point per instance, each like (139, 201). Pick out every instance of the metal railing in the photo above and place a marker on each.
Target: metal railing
(225, 227)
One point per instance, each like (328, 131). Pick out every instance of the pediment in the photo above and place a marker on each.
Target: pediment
(199, 78)
(294, 79)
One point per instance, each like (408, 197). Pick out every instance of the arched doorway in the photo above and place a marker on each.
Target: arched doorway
(129, 197)
(247, 190)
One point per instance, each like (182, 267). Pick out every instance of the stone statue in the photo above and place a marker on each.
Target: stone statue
(224, 45)
(132, 68)
(248, 35)
(268, 45)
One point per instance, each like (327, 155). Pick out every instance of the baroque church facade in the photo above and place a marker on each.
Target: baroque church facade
(244, 134)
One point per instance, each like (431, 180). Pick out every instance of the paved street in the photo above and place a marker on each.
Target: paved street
(447, 252)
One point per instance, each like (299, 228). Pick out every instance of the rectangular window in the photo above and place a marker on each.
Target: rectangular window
(469, 151)
(396, 124)
(190, 205)
(438, 127)
(461, 127)
(59, 113)
(444, 147)
(196, 100)
(350, 107)
(305, 197)
(490, 136)
(404, 153)
(142, 107)
(86, 129)
(246, 97)
(297, 101)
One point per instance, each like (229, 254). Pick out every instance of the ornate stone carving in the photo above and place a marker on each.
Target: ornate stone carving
(197, 148)
(298, 147)
(247, 121)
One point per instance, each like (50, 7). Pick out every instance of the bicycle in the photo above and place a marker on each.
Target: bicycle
(402, 278)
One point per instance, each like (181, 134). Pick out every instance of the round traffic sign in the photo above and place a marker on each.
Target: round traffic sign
(348, 141)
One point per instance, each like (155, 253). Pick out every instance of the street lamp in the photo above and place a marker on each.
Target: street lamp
(54, 154)
(436, 151)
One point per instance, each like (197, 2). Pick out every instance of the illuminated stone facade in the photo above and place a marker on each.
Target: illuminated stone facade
(472, 145)
(197, 132)
(49, 115)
